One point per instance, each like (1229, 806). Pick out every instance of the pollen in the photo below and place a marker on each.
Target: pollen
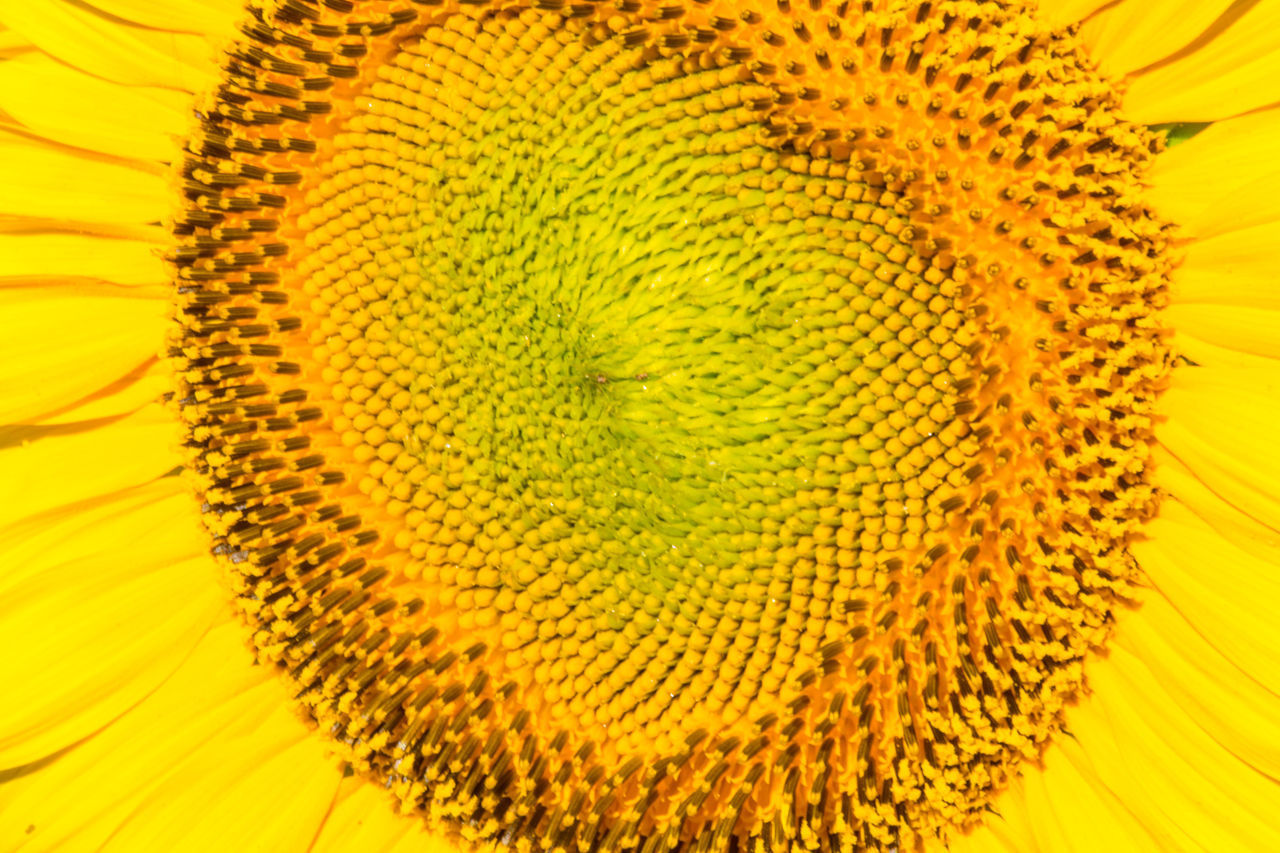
(660, 426)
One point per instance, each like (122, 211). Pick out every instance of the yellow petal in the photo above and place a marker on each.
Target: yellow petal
(268, 790)
(1223, 425)
(60, 347)
(156, 233)
(13, 44)
(1067, 12)
(1246, 328)
(87, 640)
(1233, 268)
(1127, 36)
(42, 181)
(364, 818)
(206, 743)
(192, 16)
(1007, 829)
(1070, 809)
(1202, 352)
(78, 531)
(1248, 534)
(94, 622)
(1169, 773)
(1225, 178)
(1229, 595)
(48, 256)
(112, 49)
(143, 386)
(57, 470)
(1234, 69)
(74, 108)
(1233, 708)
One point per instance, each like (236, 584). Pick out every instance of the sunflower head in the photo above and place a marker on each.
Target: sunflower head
(650, 425)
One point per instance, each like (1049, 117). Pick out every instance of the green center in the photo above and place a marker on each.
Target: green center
(625, 370)
(647, 339)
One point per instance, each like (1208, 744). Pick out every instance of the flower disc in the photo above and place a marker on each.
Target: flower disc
(655, 426)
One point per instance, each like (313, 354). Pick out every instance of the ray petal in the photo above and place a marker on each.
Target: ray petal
(1221, 180)
(30, 258)
(1228, 594)
(193, 16)
(1229, 71)
(1068, 12)
(1174, 777)
(1222, 425)
(73, 108)
(1233, 708)
(53, 471)
(42, 181)
(103, 619)
(1127, 36)
(111, 49)
(1070, 810)
(365, 818)
(61, 347)
(164, 770)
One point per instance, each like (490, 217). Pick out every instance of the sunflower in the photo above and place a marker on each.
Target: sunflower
(654, 426)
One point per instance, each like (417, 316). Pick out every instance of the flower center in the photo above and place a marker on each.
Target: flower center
(658, 426)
